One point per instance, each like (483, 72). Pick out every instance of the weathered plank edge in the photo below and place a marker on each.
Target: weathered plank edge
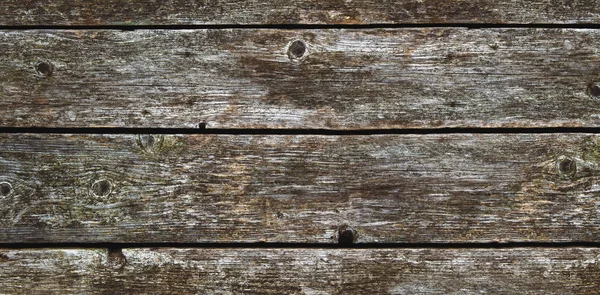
(182, 12)
(437, 188)
(344, 79)
(301, 271)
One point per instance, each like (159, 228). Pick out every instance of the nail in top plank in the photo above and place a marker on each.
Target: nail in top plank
(337, 79)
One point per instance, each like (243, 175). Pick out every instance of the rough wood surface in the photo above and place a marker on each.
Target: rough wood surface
(299, 188)
(301, 271)
(184, 12)
(343, 79)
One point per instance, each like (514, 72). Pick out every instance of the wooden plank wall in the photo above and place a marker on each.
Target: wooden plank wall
(306, 147)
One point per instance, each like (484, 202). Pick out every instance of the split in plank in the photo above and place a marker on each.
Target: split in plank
(302, 271)
(335, 79)
(299, 188)
(185, 12)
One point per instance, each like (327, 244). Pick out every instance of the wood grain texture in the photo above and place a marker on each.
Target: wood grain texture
(181, 12)
(345, 79)
(299, 188)
(301, 271)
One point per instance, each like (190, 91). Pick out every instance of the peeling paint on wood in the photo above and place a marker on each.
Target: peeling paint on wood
(337, 79)
(299, 188)
(303, 271)
(182, 12)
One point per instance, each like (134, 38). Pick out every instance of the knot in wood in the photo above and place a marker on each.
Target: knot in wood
(115, 258)
(150, 143)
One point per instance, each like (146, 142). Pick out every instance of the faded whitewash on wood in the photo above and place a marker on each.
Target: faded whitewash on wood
(299, 188)
(340, 79)
(301, 271)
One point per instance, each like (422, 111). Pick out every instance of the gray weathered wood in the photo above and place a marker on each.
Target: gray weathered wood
(299, 188)
(178, 12)
(301, 271)
(347, 79)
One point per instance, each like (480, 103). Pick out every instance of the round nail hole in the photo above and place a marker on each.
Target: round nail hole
(44, 68)
(101, 188)
(297, 49)
(567, 167)
(5, 189)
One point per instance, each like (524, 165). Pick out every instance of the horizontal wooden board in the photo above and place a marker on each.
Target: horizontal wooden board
(181, 12)
(343, 79)
(299, 188)
(301, 271)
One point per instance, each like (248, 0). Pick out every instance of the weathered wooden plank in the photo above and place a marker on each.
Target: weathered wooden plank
(181, 12)
(299, 188)
(301, 271)
(344, 79)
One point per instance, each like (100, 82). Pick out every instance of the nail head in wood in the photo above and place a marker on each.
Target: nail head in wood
(101, 188)
(566, 167)
(44, 68)
(594, 89)
(5, 189)
(297, 50)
